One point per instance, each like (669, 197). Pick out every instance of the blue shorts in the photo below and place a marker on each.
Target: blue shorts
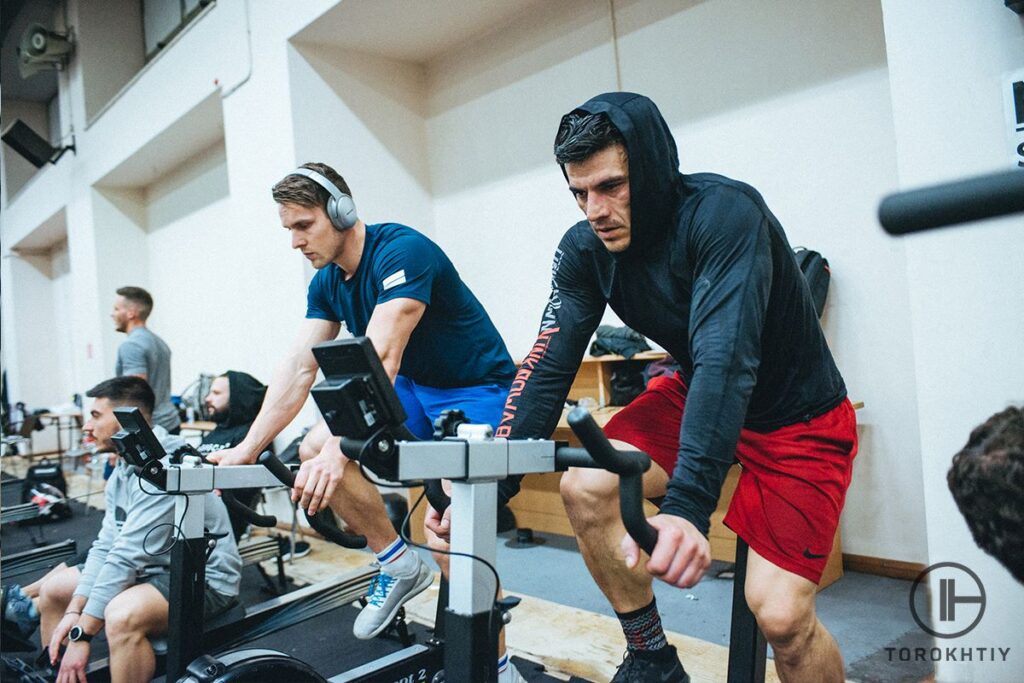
(482, 404)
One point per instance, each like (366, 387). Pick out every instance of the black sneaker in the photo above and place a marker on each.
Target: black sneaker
(661, 668)
(302, 548)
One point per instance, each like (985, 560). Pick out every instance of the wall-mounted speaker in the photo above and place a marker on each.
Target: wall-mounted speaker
(31, 145)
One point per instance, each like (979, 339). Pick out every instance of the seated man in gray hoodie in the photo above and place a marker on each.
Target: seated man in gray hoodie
(124, 585)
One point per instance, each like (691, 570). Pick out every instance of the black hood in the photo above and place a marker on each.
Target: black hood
(245, 399)
(655, 183)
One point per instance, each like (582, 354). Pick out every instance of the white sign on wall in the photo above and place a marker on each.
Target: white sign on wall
(1013, 90)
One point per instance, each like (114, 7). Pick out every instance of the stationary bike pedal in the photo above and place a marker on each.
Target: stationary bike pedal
(399, 629)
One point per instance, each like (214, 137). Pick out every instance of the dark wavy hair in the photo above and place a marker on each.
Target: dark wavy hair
(129, 391)
(987, 482)
(581, 134)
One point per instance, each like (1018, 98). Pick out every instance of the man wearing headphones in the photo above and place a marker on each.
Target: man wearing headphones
(438, 345)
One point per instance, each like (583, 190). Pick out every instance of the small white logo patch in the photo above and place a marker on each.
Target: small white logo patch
(393, 280)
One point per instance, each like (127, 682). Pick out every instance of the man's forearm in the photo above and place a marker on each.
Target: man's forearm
(90, 624)
(76, 605)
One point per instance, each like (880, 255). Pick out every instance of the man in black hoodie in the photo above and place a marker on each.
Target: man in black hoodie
(701, 266)
(233, 402)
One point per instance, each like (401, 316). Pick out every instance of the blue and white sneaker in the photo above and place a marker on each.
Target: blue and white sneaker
(387, 593)
(19, 611)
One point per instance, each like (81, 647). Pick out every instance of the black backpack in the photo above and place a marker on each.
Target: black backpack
(45, 472)
(45, 482)
(816, 272)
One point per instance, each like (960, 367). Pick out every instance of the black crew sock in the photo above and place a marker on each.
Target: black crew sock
(662, 656)
(643, 630)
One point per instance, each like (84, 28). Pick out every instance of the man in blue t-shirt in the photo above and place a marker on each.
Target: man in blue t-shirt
(435, 340)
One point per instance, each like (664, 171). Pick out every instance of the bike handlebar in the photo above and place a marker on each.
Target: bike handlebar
(318, 521)
(629, 465)
(246, 512)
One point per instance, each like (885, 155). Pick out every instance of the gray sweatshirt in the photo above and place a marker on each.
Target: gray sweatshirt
(120, 556)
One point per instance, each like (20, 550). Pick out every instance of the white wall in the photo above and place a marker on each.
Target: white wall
(810, 102)
(188, 238)
(500, 202)
(61, 284)
(363, 115)
(260, 142)
(35, 310)
(120, 257)
(947, 62)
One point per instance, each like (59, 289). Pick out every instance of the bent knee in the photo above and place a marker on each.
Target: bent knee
(307, 451)
(58, 589)
(586, 489)
(121, 621)
(784, 623)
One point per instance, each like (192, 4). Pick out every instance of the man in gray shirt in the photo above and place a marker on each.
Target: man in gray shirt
(144, 354)
(124, 585)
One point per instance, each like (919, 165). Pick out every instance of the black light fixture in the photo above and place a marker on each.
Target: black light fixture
(33, 146)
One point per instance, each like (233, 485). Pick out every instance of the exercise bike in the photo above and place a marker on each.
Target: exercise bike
(358, 401)
(189, 478)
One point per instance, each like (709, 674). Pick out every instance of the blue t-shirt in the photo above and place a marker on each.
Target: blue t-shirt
(455, 343)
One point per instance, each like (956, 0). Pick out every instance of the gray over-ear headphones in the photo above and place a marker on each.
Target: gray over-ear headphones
(340, 209)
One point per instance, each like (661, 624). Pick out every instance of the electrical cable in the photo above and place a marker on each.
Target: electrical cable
(177, 532)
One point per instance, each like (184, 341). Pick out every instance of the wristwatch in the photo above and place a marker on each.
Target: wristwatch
(78, 634)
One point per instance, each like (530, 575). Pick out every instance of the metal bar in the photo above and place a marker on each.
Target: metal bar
(972, 199)
(188, 585)
(414, 663)
(472, 584)
(748, 649)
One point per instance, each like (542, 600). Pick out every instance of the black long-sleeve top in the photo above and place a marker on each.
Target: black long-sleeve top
(709, 276)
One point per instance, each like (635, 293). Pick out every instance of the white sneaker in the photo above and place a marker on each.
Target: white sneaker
(387, 593)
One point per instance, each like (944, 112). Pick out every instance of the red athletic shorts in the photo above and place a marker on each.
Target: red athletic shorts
(792, 483)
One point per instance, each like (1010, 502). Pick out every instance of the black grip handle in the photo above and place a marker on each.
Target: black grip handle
(438, 499)
(277, 468)
(973, 199)
(630, 466)
(600, 448)
(246, 512)
(318, 521)
(352, 448)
